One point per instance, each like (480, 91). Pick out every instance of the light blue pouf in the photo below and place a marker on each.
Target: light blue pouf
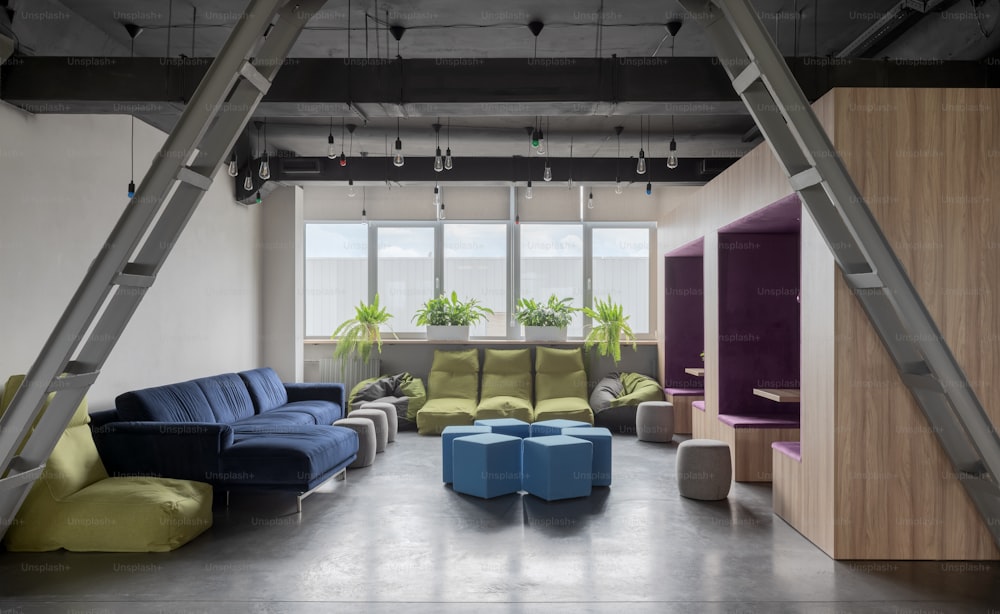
(487, 465)
(447, 438)
(507, 426)
(557, 467)
(553, 427)
(601, 438)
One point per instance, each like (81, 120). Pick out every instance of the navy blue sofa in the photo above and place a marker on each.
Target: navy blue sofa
(245, 430)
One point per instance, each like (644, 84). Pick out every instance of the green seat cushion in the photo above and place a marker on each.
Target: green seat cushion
(507, 385)
(637, 388)
(566, 408)
(131, 514)
(436, 414)
(559, 373)
(504, 407)
(454, 374)
(413, 389)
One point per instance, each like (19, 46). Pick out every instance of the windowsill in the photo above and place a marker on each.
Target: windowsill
(481, 341)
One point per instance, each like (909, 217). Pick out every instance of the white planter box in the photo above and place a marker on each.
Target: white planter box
(447, 333)
(544, 333)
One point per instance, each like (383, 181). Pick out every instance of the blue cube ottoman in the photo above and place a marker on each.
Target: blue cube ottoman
(487, 465)
(601, 438)
(507, 426)
(553, 427)
(557, 466)
(448, 437)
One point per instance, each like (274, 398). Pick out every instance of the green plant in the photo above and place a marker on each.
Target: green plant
(445, 310)
(556, 312)
(361, 332)
(609, 329)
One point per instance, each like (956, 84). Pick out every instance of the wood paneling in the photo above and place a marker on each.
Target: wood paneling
(752, 450)
(787, 497)
(927, 164)
(683, 412)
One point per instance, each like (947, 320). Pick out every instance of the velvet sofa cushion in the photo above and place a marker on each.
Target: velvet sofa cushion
(559, 373)
(454, 375)
(181, 402)
(266, 389)
(292, 456)
(227, 396)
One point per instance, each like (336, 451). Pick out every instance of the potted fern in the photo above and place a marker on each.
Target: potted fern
(609, 329)
(544, 321)
(361, 333)
(448, 319)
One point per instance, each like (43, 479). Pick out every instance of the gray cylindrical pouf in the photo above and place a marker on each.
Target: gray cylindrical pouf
(704, 469)
(654, 421)
(390, 413)
(365, 428)
(381, 425)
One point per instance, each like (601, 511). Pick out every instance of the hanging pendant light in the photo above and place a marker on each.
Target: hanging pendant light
(331, 151)
(448, 163)
(590, 200)
(640, 167)
(397, 158)
(649, 188)
(437, 195)
(133, 31)
(673, 28)
(547, 173)
(438, 159)
(265, 167)
(343, 158)
(541, 147)
(618, 180)
(248, 182)
(234, 168)
(351, 192)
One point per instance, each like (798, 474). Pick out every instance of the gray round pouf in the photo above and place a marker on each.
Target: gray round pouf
(365, 429)
(704, 469)
(654, 421)
(390, 413)
(381, 425)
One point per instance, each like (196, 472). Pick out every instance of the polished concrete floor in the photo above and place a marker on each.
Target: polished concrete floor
(392, 538)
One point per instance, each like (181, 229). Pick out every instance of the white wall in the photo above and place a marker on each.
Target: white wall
(63, 185)
(283, 276)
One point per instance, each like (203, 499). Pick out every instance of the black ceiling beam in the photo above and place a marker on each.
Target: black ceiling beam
(300, 170)
(114, 85)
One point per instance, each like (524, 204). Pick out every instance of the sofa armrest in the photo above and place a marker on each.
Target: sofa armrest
(183, 450)
(316, 392)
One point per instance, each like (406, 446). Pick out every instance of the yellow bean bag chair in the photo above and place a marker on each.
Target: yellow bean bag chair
(76, 506)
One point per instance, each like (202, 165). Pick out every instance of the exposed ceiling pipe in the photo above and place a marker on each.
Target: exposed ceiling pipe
(893, 24)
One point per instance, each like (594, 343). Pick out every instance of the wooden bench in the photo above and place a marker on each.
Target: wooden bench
(750, 438)
(786, 492)
(682, 398)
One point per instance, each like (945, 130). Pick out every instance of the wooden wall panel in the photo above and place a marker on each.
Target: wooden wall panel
(927, 164)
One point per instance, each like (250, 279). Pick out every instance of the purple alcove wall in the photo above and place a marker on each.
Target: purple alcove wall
(684, 322)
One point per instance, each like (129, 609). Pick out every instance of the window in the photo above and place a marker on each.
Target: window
(493, 262)
(336, 274)
(475, 266)
(621, 270)
(405, 272)
(552, 263)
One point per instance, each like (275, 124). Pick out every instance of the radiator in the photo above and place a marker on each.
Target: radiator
(348, 371)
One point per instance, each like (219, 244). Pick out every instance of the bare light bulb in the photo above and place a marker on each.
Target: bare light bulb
(397, 159)
(618, 187)
(590, 201)
(447, 159)
(649, 188)
(438, 161)
(437, 195)
(351, 192)
(442, 216)
(265, 168)
(672, 158)
(541, 143)
(547, 175)
(330, 151)
(234, 168)
(364, 215)
(528, 192)
(343, 159)
(248, 183)
(641, 166)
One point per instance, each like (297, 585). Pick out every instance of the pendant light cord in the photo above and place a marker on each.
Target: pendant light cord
(132, 120)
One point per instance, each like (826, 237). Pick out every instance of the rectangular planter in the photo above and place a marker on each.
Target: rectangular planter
(544, 333)
(447, 333)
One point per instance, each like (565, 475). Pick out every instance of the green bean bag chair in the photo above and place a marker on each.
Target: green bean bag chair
(617, 396)
(561, 385)
(452, 391)
(402, 390)
(507, 385)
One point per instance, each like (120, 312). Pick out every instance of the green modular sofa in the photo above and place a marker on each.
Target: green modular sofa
(507, 385)
(452, 391)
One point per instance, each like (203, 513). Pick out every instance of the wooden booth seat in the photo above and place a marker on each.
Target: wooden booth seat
(750, 438)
